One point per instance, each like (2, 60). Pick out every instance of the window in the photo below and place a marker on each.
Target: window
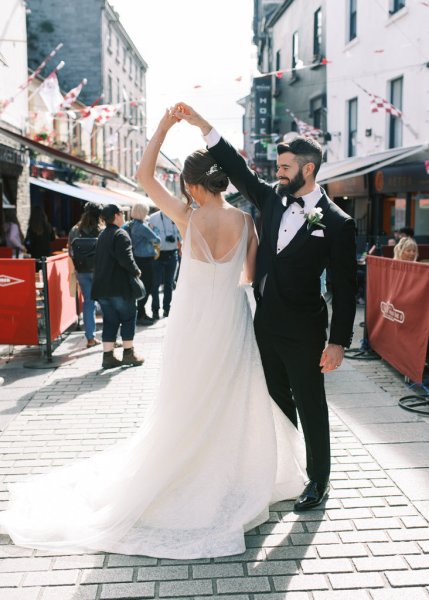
(295, 49)
(109, 38)
(352, 30)
(396, 5)
(118, 90)
(110, 87)
(318, 112)
(317, 33)
(118, 47)
(395, 123)
(352, 127)
(124, 61)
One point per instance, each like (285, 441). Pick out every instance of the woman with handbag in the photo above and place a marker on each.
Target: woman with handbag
(144, 240)
(117, 287)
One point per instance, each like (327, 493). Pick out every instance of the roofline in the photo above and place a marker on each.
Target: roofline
(278, 13)
(114, 18)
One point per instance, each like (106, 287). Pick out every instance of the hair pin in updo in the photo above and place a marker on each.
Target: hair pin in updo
(213, 169)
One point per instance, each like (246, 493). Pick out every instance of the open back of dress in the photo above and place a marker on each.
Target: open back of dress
(211, 455)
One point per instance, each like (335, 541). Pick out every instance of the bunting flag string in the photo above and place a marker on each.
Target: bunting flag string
(378, 103)
(304, 128)
(72, 95)
(5, 103)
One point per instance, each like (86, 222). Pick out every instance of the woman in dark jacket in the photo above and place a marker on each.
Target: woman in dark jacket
(114, 268)
(89, 226)
(39, 233)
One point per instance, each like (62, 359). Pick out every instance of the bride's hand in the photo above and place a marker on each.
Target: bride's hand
(168, 120)
(188, 114)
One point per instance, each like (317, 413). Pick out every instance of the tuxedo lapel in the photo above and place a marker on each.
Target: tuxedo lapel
(304, 232)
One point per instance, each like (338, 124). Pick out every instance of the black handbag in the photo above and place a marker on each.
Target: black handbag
(138, 289)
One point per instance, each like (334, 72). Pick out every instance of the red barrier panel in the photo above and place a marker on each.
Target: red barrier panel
(397, 313)
(62, 306)
(6, 252)
(18, 318)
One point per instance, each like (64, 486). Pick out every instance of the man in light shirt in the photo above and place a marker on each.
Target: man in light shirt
(165, 266)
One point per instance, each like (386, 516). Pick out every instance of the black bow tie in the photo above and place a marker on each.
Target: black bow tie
(291, 199)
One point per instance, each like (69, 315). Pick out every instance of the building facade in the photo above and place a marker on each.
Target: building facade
(14, 187)
(378, 54)
(103, 53)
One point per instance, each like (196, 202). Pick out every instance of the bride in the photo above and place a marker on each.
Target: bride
(214, 450)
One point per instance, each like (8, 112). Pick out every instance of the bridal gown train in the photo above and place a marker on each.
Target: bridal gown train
(211, 455)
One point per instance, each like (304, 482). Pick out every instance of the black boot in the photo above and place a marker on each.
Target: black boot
(110, 361)
(131, 359)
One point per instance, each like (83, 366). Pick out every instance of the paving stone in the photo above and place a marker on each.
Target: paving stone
(273, 567)
(190, 588)
(106, 575)
(78, 562)
(218, 570)
(326, 565)
(380, 563)
(393, 548)
(420, 561)
(115, 591)
(243, 584)
(21, 565)
(404, 578)
(412, 593)
(82, 592)
(363, 536)
(356, 581)
(300, 582)
(161, 573)
(343, 595)
(341, 550)
(20, 593)
(399, 535)
(10, 579)
(278, 596)
(51, 578)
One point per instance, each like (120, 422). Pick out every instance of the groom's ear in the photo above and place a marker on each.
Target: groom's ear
(309, 169)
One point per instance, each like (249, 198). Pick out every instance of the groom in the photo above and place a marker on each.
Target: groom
(302, 233)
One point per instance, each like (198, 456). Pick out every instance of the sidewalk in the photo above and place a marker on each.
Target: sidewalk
(370, 543)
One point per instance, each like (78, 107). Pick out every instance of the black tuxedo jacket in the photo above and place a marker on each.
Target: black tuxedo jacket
(292, 304)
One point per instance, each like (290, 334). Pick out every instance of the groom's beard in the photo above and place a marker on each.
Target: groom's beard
(295, 184)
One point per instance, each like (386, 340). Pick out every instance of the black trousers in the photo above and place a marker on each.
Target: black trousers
(145, 264)
(296, 384)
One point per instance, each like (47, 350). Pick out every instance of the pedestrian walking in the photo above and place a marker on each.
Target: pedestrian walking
(165, 266)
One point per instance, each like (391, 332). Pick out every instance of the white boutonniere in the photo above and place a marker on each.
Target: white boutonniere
(313, 217)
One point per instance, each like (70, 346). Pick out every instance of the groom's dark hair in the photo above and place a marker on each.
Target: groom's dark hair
(305, 149)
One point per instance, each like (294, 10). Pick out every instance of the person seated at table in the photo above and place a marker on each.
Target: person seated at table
(406, 249)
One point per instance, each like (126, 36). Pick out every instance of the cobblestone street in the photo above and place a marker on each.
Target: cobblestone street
(370, 541)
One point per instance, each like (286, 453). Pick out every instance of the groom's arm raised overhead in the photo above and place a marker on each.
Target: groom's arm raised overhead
(244, 179)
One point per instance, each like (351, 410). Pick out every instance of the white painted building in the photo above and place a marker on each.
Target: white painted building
(14, 187)
(381, 46)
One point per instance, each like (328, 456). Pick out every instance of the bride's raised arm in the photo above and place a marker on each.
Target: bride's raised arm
(165, 201)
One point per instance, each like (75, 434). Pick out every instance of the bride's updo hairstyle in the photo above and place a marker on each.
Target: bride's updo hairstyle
(200, 168)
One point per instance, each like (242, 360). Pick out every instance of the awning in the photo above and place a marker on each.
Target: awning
(361, 165)
(133, 196)
(89, 193)
(64, 157)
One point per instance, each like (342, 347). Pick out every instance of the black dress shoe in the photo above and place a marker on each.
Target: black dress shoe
(155, 315)
(313, 494)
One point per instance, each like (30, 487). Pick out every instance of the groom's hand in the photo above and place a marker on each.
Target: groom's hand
(332, 357)
(188, 114)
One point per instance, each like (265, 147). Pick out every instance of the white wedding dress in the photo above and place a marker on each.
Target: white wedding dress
(211, 455)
